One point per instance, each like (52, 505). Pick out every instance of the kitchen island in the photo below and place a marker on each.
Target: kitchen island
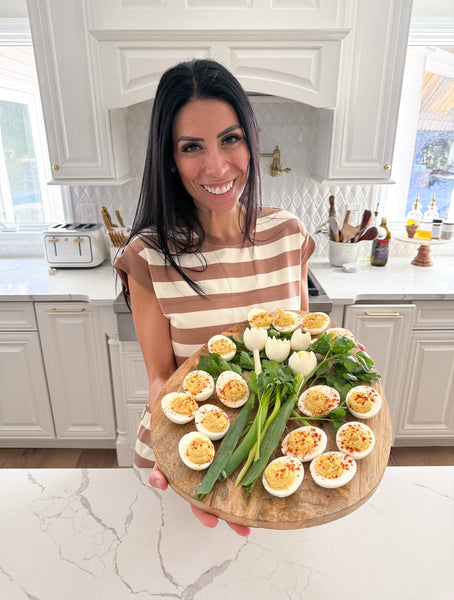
(71, 534)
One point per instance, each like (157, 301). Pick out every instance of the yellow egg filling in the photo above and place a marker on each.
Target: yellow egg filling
(215, 421)
(279, 476)
(355, 438)
(234, 390)
(314, 320)
(262, 319)
(221, 346)
(199, 451)
(183, 404)
(329, 466)
(195, 383)
(316, 402)
(300, 442)
(284, 319)
(360, 402)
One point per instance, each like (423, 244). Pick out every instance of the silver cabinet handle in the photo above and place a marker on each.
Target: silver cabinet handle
(381, 314)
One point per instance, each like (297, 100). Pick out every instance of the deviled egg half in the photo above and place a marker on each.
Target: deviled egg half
(286, 321)
(336, 332)
(179, 407)
(363, 401)
(332, 469)
(196, 451)
(232, 389)
(212, 421)
(318, 400)
(304, 443)
(199, 384)
(315, 322)
(355, 439)
(283, 476)
(259, 317)
(222, 345)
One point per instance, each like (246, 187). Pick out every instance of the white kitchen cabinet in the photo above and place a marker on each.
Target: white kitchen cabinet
(385, 331)
(86, 142)
(25, 412)
(356, 140)
(77, 368)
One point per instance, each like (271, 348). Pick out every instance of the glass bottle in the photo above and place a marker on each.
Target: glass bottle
(380, 246)
(432, 212)
(414, 216)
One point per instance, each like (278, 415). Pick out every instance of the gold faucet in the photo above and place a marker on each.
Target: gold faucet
(275, 167)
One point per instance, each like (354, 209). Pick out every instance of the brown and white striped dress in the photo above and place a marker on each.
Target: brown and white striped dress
(236, 278)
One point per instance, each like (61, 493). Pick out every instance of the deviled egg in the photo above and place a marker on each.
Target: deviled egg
(199, 384)
(304, 443)
(222, 345)
(212, 421)
(355, 439)
(196, 451)
(315, 322)
(179, 407)
(259, 317)
(318, 400)
(363, 401)
(232, 389)
(283, 476)
(286, 321)
(336, 332)
(332, 469)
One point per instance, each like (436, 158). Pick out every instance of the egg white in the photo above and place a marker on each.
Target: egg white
(256, 311)
(296, 322)
(347, 475)
(329, 392)
(298, 476)
(339, 332)
(364, 430)
(226, 356)
(183, 447)
(222, 381)
(376, 404)
(306, 326)
(317, 434)
(201, 414)
(175, 417)
(208, 386)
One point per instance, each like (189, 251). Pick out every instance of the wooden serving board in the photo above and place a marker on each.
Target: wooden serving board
(311, 505)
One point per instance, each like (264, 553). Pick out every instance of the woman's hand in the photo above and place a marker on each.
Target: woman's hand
(158, 480)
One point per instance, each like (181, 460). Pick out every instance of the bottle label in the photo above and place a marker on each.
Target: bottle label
(381, 249)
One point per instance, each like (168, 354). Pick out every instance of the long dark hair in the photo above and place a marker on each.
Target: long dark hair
(164, 204)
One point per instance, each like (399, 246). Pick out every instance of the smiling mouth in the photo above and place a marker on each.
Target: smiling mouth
(218, 190)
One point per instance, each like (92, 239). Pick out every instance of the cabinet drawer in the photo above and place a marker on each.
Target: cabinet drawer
(17, 316)
(434, 315)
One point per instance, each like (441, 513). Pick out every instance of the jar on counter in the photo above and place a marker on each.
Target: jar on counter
(424, 231)
(447, 231)
(436, 228)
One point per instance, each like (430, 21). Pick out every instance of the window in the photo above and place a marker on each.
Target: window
(25, 198)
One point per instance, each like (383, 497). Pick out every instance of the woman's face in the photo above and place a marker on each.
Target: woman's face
(211, 154)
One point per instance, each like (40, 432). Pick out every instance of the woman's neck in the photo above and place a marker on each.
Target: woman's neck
(222, 226)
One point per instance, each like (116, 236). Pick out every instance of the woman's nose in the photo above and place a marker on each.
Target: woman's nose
(216, 163)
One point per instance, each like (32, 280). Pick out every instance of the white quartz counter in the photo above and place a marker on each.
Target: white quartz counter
(71, 534)
(399, 281)
(23, 279)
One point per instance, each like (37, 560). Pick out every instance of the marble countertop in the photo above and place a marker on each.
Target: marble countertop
(399, 281)
(104, 533)
(23, 279)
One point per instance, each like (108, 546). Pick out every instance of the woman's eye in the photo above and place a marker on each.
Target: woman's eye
(190, 147)
(231, 139)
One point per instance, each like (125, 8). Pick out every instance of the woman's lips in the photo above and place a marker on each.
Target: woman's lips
(217, 190)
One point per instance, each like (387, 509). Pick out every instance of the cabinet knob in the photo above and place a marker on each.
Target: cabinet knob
(55, 167)
(387, 167)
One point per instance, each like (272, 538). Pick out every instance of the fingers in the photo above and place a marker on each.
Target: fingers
(239, 529)
(205, 518)
(157, 479)
(360, 346)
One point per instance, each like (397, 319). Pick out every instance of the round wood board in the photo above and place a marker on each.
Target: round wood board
(311, 505)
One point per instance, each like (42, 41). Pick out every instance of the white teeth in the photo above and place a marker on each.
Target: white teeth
(219, 190)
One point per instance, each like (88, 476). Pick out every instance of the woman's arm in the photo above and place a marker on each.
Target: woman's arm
(304, 292)
(153, 334)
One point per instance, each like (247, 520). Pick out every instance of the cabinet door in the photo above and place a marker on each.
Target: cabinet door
(357, 138)
(85, 142)
(427, 411)
(76, 361)
(25, 411)
(385, 332)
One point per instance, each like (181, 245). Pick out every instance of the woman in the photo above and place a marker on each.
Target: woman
(202, 251)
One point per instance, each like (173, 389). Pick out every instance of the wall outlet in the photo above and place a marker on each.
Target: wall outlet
(88, 213)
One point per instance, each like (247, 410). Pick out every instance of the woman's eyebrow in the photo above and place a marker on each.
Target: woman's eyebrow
(188, 138)
(228, 130)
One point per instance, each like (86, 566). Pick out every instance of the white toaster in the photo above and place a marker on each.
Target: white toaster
(77, 245)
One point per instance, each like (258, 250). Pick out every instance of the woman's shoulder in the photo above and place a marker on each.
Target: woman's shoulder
(272, 216)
